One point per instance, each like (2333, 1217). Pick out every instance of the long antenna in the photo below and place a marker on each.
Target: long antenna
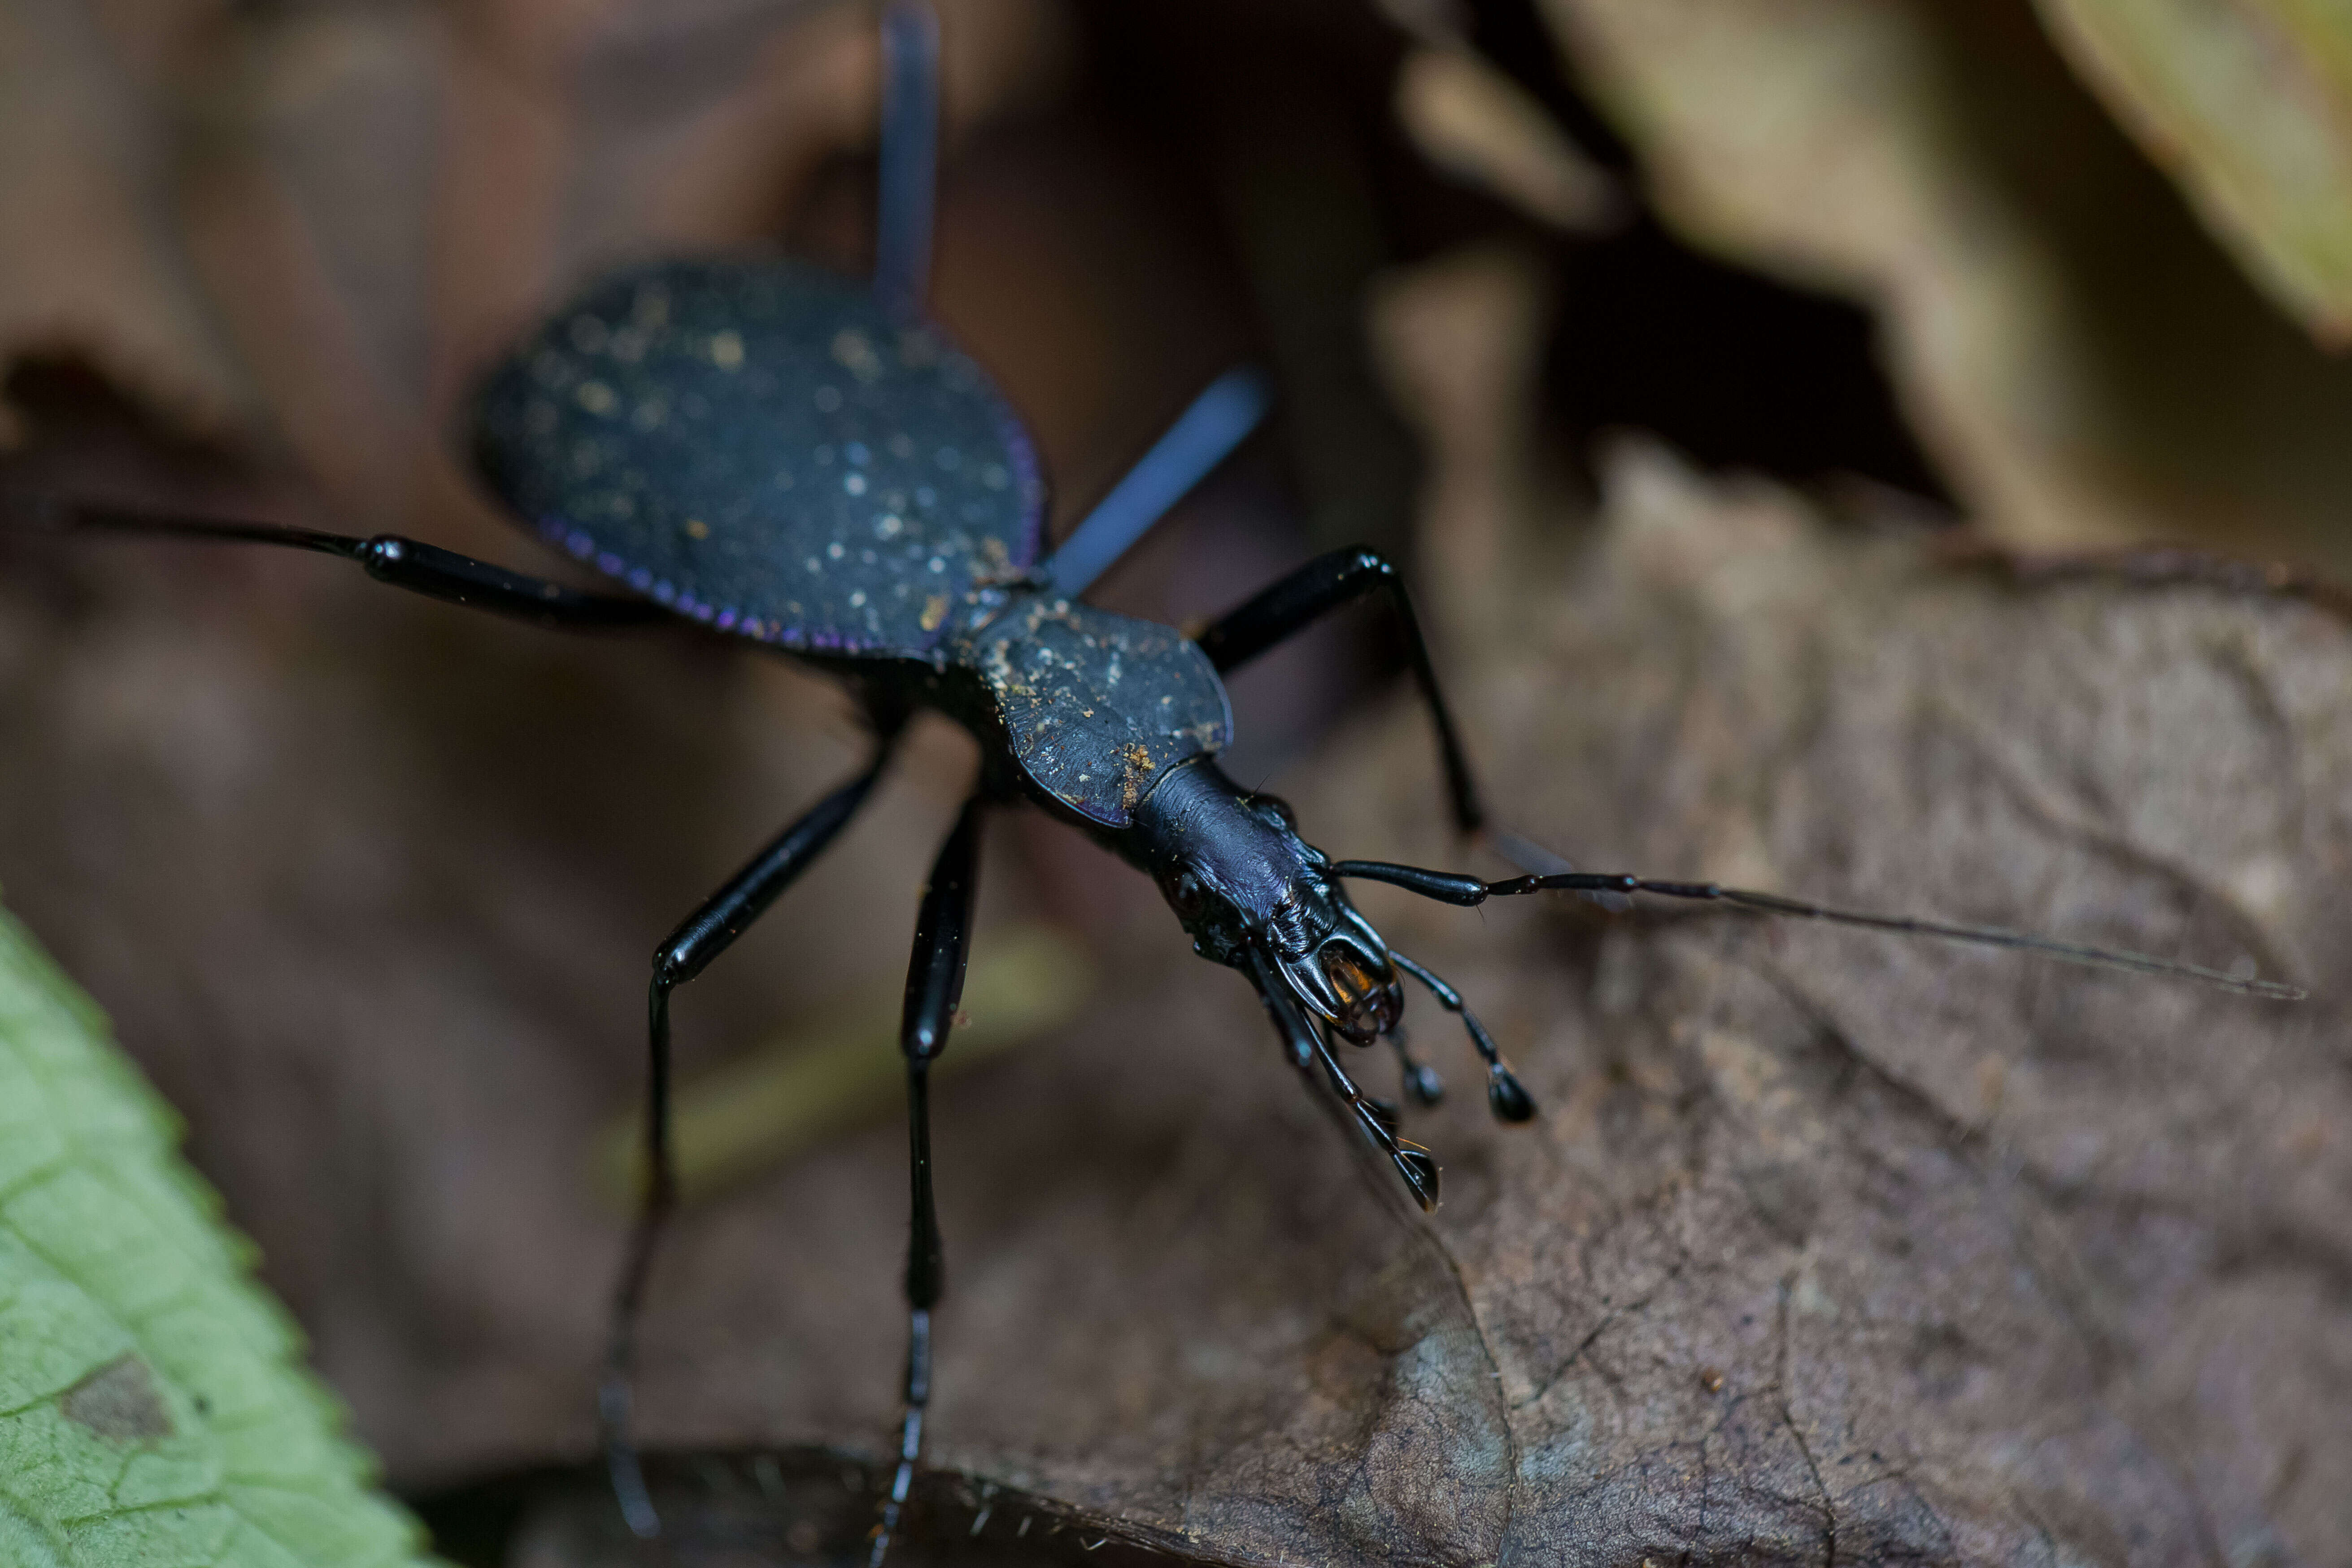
(1455, 887)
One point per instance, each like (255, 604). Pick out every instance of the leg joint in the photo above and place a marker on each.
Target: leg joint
(1363, 561)
(674, 963)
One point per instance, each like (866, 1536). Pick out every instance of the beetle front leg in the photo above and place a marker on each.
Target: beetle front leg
(1326, 584)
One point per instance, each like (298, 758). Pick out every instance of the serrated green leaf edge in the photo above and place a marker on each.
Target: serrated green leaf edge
(2248, 105)
(154, 1409)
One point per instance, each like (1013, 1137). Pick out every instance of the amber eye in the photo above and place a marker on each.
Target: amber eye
(1349, 975)
(1183, 894)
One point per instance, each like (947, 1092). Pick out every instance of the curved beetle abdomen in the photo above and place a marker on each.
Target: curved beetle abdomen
(756, 445)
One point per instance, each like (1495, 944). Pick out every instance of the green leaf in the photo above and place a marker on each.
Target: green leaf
(153, 1406)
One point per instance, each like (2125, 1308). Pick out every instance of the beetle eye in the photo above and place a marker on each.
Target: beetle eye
(1183, 894)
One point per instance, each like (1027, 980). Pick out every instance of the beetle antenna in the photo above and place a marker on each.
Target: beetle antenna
(1455, 887)
(1529, 856)
(1506, 1096)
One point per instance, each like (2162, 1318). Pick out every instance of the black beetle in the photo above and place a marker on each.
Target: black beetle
(784, 456)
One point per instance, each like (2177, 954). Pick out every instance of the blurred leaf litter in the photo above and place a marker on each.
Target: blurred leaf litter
(2248, 105)
(2083, 363)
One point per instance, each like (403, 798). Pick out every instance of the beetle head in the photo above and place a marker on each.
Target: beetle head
(1232, 864)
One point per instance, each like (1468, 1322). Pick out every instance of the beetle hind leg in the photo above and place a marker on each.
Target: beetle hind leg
(909, 158)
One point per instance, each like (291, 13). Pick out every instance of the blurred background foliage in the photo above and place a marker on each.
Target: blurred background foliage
(2076, 270)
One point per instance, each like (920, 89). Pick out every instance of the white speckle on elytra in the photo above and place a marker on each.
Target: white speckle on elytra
(857, 600)
(855, 484)
(836, 550)
(856, 355)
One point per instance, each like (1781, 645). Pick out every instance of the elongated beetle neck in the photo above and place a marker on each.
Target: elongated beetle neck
(1197, 821)
(1232, 864)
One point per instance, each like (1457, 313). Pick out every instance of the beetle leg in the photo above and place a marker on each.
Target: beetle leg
(909, 158)
(1315, 590)
(934, 986)
(1203, 436)
(706, 933)
(409, 564)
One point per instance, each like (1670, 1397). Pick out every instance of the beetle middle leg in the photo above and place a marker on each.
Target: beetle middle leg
(1290, 606)
(389, 558)
(934, 986)
(701, 937)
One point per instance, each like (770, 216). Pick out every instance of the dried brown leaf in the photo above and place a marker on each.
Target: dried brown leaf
(1939, 1253)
